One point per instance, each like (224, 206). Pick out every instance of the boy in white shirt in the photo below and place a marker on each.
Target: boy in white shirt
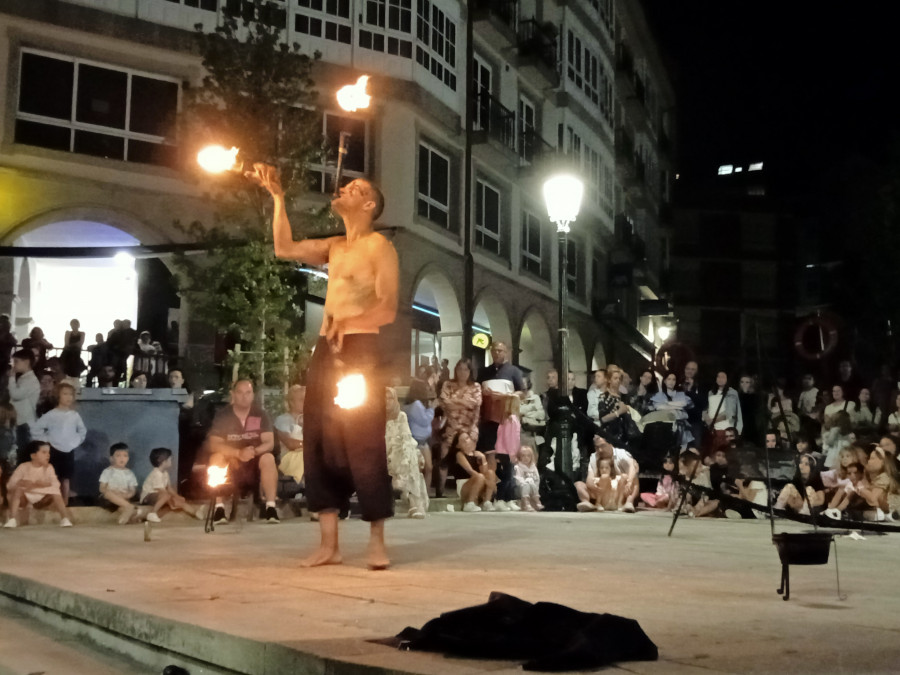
(118, 483)
(157, 489)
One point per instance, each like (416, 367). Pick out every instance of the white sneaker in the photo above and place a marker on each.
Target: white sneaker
(501, 505)
(584, 507)
(472, 507)
(488, 506)
(153, 518)
(834, 514)
(11, 523)
(65, 522)
(628, 507)
(513, 506)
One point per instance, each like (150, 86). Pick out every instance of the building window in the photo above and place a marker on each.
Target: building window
(272, 12)
(392, 24)
(436, 43)
(322, 174)
(209, 5)
(583, 67)
(327, 19)
(532, 246)
(434, 186)
(487, 217)
(92, 109)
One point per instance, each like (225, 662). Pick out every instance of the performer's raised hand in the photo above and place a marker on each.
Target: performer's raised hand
(265, 175)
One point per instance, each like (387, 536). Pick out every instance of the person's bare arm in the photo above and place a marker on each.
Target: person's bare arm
(217, 445)
(288, 441)
(309, 251)
(267, 444)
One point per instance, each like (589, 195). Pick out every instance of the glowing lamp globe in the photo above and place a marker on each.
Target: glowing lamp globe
(562, 194)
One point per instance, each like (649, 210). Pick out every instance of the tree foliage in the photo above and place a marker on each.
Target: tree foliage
(257, 95)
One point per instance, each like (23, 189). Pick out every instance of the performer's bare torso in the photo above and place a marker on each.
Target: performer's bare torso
(352, 272)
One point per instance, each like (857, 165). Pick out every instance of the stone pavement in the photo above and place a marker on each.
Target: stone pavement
(236, 601)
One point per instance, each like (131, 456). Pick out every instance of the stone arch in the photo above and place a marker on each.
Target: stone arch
(49, 292)
(536, 347)
(490, 313)
(118, 219)
(599, 358)
(433, 292)
(578, 358)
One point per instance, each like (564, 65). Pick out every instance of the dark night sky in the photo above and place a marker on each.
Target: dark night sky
(800, 85)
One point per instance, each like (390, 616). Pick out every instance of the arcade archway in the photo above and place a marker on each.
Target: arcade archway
(536, 348)
(436, 321)
(490, 317)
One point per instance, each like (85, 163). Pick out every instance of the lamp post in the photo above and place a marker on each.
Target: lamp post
(562, 194)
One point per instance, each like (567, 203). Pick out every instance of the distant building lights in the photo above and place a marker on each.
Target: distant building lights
(726, 169)
(756, 166)
(738, 169)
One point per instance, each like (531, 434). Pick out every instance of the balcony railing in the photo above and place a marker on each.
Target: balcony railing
(497, 121)
(532, 147)
(538, 42)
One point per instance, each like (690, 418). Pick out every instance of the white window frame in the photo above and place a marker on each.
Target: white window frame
(326, 18)
(532, 224)
(330, 170)
(430, 201)
(73, 125)
(435, 26)
(482, 228)
(391, 32)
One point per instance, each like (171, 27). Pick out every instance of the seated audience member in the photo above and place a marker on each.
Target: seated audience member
(528, 480)
(666, 495)
(138, 380)
(476, 480)
(241, 438)
(893, 420)
(118, 483)
(882, 495)
(868, 415)
(289, 432)
(695, 474)
(157, 491)
(623, 468)
(846, 499)
(805, 491)
(34, 484)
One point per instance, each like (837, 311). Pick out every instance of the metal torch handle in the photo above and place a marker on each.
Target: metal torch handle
(342, 152)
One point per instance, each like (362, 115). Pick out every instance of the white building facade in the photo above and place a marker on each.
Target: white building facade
(92, 89)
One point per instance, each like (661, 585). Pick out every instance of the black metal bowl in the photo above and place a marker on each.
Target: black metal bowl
(803, 548)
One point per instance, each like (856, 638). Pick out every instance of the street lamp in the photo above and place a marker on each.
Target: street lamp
(562, 194)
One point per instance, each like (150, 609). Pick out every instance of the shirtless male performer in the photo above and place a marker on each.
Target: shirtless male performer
(344, 449)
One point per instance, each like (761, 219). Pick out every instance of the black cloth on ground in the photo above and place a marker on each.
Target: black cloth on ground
(546, 635)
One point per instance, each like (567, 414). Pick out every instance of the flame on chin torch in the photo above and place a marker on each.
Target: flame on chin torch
(216, 476)
(353, 97)
(351, 391)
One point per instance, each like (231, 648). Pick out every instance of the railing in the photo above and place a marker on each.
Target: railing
(537, 41)
(532, 146)
(499, 122)
(505, 10)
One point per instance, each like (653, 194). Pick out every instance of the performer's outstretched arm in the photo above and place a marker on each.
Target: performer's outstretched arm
(309, 251)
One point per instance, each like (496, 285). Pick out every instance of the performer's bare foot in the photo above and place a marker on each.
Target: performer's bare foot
(323, 556)
(377, 557)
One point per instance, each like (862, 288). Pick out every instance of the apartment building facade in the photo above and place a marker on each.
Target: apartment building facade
(573, 83)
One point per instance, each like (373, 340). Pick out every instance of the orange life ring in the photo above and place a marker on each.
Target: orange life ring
(829, 334)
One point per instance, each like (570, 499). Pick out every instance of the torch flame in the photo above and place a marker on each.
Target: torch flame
(354, 96)
(351, 391)
(216, 159)
(216, 475)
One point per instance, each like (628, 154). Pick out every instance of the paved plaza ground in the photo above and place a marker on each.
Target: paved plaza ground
(236, 600)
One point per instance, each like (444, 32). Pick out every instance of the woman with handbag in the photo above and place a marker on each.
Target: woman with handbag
(613, 413)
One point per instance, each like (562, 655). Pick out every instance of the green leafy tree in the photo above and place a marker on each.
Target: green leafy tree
(257, 95)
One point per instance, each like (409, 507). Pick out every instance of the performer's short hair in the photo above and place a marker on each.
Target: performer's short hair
(377, 197)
